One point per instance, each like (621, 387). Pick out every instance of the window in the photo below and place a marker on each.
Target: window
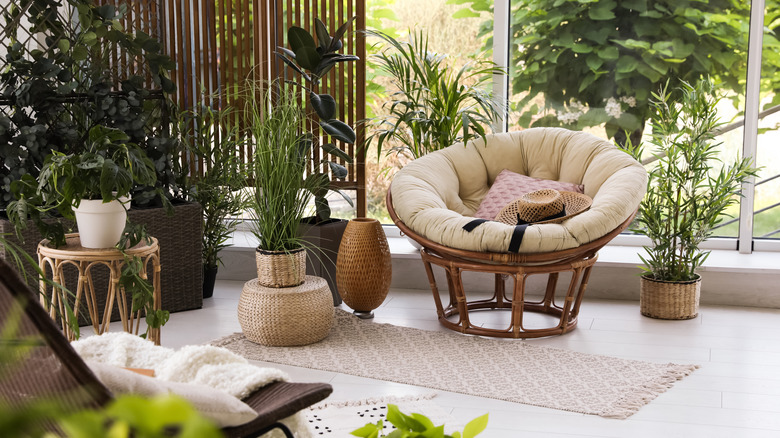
(593, 66)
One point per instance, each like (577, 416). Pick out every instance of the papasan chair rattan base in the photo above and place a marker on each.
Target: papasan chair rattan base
(519, 267)
(437, 199)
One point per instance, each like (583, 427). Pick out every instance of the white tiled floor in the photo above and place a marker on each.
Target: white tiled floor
(736, 393)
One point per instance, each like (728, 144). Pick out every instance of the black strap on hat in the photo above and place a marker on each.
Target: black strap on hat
(560, 214)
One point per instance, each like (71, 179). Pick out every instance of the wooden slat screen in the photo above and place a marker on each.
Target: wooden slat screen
(217, 44)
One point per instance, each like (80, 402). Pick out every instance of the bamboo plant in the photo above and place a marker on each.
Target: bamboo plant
(686, 195)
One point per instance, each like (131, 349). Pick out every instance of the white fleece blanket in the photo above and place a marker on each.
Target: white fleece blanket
(215, 367)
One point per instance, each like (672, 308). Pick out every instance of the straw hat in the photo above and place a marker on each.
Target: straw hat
(546, 206)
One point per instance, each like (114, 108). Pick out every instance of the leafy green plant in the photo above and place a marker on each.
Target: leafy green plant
(53, 95)
(417, 425)
(275, 123)
(108, 168)
(313, 61)
(213, 138)
(686, 196)
(598, 62)
(132, 416)
(433, 106)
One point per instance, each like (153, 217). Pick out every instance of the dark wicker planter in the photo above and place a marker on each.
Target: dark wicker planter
(179, 237)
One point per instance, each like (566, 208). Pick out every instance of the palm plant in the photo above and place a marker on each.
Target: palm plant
(434, 106)
(214, 140)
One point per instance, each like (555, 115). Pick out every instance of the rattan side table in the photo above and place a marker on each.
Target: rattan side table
(84, 260)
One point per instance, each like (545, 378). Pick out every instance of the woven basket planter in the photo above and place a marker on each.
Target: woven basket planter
(281, 268)
(669, 299)
(286, 317)
(364, 267)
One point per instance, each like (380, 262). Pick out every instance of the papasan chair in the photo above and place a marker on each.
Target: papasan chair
(436, 200)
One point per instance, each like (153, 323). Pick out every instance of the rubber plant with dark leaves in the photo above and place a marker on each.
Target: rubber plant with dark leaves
(312, 61)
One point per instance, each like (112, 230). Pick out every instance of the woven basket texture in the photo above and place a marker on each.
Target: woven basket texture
(364, 268)
(669, 300)
(179, 237)
(535, 206)
(286, 317)
(280, 268)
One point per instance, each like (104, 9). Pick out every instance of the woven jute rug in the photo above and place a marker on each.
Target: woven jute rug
(511, 370)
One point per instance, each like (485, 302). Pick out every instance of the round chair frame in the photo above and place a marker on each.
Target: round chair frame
(519, 266)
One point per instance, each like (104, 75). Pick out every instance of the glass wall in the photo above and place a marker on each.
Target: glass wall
(455, 35)
(767, 195)
(594, 66)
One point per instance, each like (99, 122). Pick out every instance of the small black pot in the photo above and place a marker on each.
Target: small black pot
(209, 278)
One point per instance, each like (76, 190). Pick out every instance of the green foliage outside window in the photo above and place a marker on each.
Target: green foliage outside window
(597, 62)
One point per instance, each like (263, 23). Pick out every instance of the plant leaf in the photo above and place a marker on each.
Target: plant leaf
(339, 130)
(298, 38)
(339, 171)
(324, 105)
(307, 57)
(335, 43)
(475, 426)
(323, 38)
(336, 152)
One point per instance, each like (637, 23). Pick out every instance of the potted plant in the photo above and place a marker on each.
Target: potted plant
(433, 105)
(100, 177)
(275, 122)
(53, 91)
(312, 61)
(92, 186)
(214, 140)
(686, 198)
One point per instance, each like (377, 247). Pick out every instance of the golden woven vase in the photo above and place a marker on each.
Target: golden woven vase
(363, 266)
(669, 299)
(280, 268)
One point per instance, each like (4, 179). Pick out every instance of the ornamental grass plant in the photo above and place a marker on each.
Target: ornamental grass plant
(687, 193)
(275, 122)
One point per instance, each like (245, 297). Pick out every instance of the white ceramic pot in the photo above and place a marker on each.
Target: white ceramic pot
(101, 224)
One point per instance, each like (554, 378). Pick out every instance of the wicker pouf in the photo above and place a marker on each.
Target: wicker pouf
(286, 317)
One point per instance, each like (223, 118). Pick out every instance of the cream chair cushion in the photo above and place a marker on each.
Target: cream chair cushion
(436, 195)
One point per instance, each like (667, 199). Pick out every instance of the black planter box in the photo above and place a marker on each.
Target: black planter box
(322, 248)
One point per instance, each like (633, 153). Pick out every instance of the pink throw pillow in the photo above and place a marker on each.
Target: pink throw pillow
(509, 186)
